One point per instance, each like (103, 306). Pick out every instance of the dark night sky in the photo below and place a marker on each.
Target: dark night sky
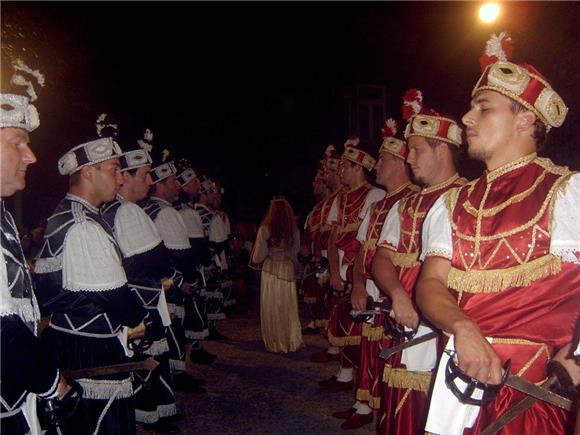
(246, 89)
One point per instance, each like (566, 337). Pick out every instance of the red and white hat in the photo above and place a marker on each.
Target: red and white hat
(356, 155)
(391, 144)
(522, 83)
(331, 160)
(427, 122)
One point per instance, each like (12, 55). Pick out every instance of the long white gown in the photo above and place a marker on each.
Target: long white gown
(281, 329)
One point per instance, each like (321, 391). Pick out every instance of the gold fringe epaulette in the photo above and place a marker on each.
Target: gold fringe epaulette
(405, 260)
(372, 333)
(343, 341)
(363, 395)
(401, 378)
(496, 280)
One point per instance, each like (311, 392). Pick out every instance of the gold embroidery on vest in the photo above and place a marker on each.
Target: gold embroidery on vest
(511, 166)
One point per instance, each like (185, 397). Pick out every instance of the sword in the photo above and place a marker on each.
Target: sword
(558, 377)
(539, 392)
(389, 352)
(148, 364)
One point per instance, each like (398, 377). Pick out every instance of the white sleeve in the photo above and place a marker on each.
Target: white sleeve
(90, 260)
(565, 241)
(332, 218)
(192, 222)
(227, 225)
(134, 230)
(391, 231)
(172, 229)
(217, 230)
(260, 248)
(373, 196)
(361, 235)
(436, 234)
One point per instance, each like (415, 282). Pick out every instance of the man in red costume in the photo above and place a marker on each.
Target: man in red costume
(393, 173)
(433, 141)
(502, 267)
(320, 249)
(310, 288)
(346, 216)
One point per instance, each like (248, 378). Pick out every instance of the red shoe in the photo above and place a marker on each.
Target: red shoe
(327, 382)
(337, 387)
(344, 415)
(357, 420)
(323, 356)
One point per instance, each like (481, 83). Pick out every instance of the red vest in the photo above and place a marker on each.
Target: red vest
(412, 212)
(502, 271)
(350, 205)
(378, 213)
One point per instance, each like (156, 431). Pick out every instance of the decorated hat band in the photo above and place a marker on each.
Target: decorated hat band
(527, 88)
(135, 159)
(359, 157)
(207, 186)
(89, 153)
(162, 171)
(186, 176)
(394, 146)
(17, 112)
(332, 163)
(434, 127)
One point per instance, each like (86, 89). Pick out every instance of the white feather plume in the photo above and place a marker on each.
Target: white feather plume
(493, 46)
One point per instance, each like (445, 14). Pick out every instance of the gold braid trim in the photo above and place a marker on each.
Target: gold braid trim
(372, 333)
(309, 299)
(402, 378)
(343, 341)
(353, 226)
(496, 280)
(405, 260)
(402, 401)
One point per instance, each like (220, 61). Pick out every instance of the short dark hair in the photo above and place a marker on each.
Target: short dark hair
(74, 179)
(453, 149)
(540, 133)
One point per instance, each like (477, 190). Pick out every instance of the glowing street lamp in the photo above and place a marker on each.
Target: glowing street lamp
(489, 12)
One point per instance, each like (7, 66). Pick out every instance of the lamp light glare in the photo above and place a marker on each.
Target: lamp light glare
(489, 12)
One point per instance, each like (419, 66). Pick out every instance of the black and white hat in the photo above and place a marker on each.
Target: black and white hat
(138, 157)
(207, 186)
(185, 172)
(15, 109)
(92, 152)
(162, 166)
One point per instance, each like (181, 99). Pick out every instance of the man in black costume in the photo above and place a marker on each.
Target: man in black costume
(25, 370)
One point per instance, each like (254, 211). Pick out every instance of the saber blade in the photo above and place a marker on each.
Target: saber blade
(148, 364)
(389, 352)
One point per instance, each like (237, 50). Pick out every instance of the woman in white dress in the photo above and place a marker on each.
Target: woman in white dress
(275, 254)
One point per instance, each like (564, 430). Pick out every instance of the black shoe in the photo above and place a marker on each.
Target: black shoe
(175, 418)
(161, 426)
(200, 356)
(310, 331)
(214, 334)
(187, 384)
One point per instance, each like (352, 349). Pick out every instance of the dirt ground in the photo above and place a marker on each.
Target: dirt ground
(252, 391)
